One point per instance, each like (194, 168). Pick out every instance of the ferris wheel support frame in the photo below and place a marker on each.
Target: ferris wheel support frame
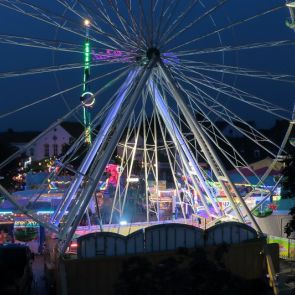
(108, 123)
(186, 154)
(210, 154)
(79, 208)
(146, 188)
(172, 169)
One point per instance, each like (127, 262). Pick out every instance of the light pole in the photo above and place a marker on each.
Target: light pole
(86, 94)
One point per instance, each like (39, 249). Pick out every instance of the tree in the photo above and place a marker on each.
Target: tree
(184, 272)
(11, 169)
(288, 173)
(290, 226)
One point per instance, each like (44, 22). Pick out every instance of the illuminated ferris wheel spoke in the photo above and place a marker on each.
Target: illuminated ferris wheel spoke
(239, 95)
(35, 71)
(217, 137)
(132, 157)
(125, 25)
(61, 68)
(230, 26)
(124, 168)
(192, 24)
(97, 145)
(178, 21)
(42, 44)
(159, 23)
(78, 210)
(171, 160)
(229, 48)
(231, 70)
(211, 156)
(56, 123)
(96, 29)
(168, 13)
(127, 35)
(144, 22)
(186, 154)
(61, 92)
(106, 18)
(135, 28)
(214, 141)
(60, 23)
(234, 120)
(44, 70)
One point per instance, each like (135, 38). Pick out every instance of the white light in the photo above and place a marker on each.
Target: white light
(123, 222)
(6, 212)
(133, 179)
(87, 22)
(45, 212)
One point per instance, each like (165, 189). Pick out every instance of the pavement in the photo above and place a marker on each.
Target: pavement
(39, 283)
(286, 277)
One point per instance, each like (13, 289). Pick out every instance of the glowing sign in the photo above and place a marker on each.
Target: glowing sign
(110, 54)
(25, 223)
(119, 55)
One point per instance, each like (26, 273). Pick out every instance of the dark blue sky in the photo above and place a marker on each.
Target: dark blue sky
(16, 92)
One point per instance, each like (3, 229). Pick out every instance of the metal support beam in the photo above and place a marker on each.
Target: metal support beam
(104, 130)
(27, 212)
(179, 141)
(211, 156)
(106, 154)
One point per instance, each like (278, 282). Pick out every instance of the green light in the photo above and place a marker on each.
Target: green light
(86, 113)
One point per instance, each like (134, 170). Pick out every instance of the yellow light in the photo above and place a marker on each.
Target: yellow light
(87, 22)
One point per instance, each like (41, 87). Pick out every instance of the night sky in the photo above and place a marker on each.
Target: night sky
(19, 91)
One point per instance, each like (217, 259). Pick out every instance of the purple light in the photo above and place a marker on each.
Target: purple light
(124, 56)
(110, 54)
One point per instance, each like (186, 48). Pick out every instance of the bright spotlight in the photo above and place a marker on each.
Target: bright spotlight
(87, 22)
(133, 179)
(123, 222)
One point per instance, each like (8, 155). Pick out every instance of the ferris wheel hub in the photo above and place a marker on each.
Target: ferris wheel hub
(153, 52)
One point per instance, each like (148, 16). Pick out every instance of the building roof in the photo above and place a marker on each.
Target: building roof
(11, 136)
(73, 128)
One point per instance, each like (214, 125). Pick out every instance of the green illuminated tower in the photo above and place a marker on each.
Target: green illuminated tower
(86, 95)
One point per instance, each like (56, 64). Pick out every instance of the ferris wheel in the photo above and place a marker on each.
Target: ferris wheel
(151, 82)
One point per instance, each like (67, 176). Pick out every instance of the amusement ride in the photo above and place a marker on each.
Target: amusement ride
(160, 78)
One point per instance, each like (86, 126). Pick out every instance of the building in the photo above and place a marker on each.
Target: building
(49, 145)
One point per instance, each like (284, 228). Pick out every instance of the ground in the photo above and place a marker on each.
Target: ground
(39, 283)
(287, 277)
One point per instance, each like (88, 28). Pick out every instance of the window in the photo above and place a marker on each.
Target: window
(46, 150)
(55, 150)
